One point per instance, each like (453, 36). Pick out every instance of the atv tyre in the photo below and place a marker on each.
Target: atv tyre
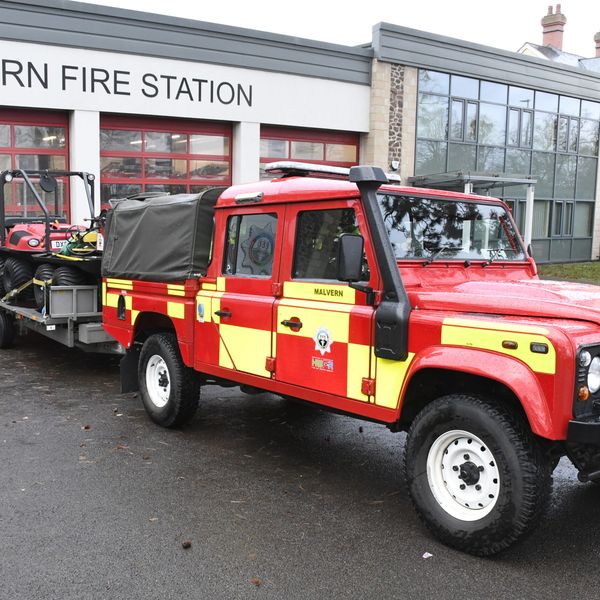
(69, 276)
(45, 273)
(2, 290)
(17, 271)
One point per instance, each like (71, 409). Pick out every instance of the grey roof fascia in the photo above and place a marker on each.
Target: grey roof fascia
(411, 47)
(89, 26)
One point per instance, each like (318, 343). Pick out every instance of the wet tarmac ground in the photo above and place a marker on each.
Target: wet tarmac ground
(277, 500)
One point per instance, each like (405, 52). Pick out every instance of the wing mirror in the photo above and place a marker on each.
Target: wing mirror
(350, 257)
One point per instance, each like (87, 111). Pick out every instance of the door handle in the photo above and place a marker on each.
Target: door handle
(294, 324)
(222, 313)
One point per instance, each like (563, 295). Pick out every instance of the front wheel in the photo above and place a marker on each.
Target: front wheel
(477, 476)
(170, 390)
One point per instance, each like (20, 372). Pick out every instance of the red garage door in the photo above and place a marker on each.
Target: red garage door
(34, 141)
(171, 156)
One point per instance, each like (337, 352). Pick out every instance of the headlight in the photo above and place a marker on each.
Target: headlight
(33, 243)
(593, 376)
(585, 358)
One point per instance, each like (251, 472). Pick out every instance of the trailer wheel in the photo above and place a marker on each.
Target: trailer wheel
(170, 391)
(44, 272)
(17, 271)
(7, 330)
(476, 474)
(69, 276)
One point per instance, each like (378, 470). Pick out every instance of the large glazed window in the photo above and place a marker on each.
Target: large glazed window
(250, 245)
(432, 228)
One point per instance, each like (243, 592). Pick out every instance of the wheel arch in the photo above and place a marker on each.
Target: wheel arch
(458, 370)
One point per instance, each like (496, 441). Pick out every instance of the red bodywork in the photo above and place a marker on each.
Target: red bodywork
(31, 237)
(479, 303)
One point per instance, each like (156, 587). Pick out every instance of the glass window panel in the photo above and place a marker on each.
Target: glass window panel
(590, 110)
(573, 135)
(121, 139)
(114, 167)
(557, 218)
(341, 152)
(517, 162)
(565, 176)
(456, 120)
(546, 101)
(5, 162)
(172, 143)
(493, 92)
(542, 168)
(431, 158)
(208, 169)
(526, 128)
(541, 219)
(563, 132)
(165, 168)
(586, 178)
(27, 205)
(109, 191)
(461, 157)
(167, 189)
(40, 162)
(471, 129)
(492, 124)
(544, 131)
(432, 81)
(582, 223)
(588, 137)
(520, 97)
(250, 245)
(4, 136)
(465, 87)
(490, 159)
(34, 136)
(307, 150)
(569, 106)
(274, 148)
(209, 144)
(513, 127)
(432, 120)
(568, 220)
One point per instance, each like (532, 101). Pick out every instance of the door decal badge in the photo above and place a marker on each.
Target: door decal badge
(323, 340)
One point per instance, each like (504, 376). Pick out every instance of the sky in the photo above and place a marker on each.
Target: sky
(505, 24)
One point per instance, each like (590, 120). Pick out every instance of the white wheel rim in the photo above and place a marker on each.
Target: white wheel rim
(158, 382)
(463, 475)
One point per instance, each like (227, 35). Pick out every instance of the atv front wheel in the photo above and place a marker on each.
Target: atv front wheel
(43, 273)
(17, 271)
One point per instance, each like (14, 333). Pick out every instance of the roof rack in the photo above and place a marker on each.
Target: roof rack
(289, 168)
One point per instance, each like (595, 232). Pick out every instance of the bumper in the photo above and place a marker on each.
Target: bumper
(584, 432)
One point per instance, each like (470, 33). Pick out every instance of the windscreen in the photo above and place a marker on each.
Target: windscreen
(432, 228)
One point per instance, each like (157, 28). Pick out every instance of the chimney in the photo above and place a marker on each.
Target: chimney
(597, 40)
(553, 27)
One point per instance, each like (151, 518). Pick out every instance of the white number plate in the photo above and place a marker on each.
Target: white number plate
(58, 244)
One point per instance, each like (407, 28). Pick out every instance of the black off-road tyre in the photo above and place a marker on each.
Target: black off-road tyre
(7, 330)
(2, 290)
(17, 271)
(463, 440)
(69, 276)
(170, 391)
(44, 272)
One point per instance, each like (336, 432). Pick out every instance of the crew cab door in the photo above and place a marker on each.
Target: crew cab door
(323, 330)
(235, 313)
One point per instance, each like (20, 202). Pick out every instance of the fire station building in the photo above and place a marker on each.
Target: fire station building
(156, 103)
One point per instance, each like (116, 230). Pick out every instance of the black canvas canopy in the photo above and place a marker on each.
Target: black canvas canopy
(164, 238)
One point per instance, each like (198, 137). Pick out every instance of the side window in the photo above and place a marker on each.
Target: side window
(250, 245)
(317, 233)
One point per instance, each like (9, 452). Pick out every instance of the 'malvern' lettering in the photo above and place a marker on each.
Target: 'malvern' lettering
(328, 292)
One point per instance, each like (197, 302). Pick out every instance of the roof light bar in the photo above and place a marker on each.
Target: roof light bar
(249, 198)
(290, 168)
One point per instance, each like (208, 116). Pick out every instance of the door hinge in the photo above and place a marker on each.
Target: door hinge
(277, 288)
(368, 386)
(270, 364)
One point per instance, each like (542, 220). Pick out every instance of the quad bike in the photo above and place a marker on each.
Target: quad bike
(42, 250)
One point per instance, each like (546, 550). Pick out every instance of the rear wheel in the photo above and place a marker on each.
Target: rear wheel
(17, 271)
(7, 330)
(69, 276)
(43, 273)
(476, 474)
(170, 390)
